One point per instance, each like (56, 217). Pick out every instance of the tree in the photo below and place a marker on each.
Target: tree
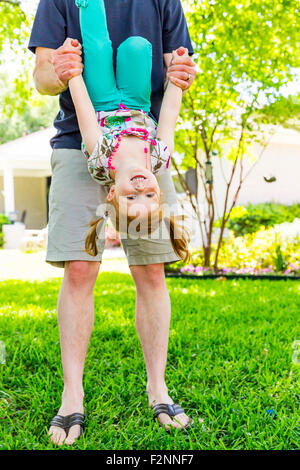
(19, 115)
(14, 23)
(22, 109)
(245, 51)
(285, 111)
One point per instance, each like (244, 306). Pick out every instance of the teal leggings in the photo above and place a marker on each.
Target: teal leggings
(131, 85)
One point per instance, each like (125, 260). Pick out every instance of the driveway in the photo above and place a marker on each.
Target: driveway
(32, 266)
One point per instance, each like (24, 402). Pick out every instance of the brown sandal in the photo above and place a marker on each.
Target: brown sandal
(170, 410)
(66, 422)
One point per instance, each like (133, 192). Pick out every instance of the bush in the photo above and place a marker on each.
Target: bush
(3, 220)
(250, 218)
(264, 251)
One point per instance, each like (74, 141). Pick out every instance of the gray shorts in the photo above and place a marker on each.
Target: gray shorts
(73, 199)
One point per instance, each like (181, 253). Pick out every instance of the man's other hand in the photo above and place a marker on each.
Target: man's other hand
(182, 69)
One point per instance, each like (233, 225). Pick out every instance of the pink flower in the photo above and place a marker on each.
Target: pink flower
(198, 269)
(293, 267)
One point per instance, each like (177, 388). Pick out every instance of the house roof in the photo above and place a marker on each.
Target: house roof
(30, 151)
(33, 151)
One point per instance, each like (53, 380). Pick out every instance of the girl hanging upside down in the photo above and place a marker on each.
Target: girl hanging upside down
(128, 148)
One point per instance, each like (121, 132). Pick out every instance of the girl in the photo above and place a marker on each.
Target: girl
(128, 149)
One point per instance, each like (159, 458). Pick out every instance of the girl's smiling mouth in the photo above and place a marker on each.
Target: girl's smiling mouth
(138, 178)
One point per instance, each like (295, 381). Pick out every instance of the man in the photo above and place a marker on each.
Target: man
(74, 196)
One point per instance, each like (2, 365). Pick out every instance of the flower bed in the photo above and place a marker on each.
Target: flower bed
(268, 252)
(292, 271)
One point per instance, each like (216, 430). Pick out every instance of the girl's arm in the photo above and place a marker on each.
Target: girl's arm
(169, 112)
(86, 116)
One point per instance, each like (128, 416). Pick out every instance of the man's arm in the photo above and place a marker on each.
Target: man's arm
(45, 78)
(55, 67)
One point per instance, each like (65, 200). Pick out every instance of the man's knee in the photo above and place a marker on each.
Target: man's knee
(151, 276)
(81, 274)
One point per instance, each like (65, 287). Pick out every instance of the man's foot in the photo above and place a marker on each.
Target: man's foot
(179, 421)
(58, 435)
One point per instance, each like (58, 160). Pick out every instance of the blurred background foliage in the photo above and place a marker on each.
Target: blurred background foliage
(247, 52)
(253, 217)
(22, 109)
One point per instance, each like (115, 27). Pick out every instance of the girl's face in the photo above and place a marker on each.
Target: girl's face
(137, 190)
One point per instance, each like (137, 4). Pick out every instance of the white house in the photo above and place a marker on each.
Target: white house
(25, 173)
(25, 177)
(280, 159)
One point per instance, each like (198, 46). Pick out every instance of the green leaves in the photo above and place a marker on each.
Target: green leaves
(284, 111)
(251, 218)
(22, 110)
(245, 51)
(14, 23)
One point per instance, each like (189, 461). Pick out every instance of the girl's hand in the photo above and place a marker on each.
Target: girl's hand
(182, 69)
(67, 60)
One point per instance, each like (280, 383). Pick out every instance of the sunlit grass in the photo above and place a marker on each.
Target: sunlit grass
(230, 360)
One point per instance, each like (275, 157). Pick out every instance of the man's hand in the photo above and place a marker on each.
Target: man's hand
(182, 69)
(67, 60)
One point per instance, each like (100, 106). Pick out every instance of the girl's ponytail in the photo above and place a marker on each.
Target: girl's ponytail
(90, 241)
(179, 236)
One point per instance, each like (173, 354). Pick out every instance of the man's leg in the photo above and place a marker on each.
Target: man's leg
(153, 312)
(75, 310)
(73, 201)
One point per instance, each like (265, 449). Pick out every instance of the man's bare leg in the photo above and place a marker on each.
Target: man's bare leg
(153, 313)
(75, 309)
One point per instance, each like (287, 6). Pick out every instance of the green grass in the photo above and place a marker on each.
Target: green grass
(230, 359)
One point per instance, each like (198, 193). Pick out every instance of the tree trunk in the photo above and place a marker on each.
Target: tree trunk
(207, 254)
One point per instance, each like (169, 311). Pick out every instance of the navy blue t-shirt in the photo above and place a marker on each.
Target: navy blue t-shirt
(162, 22)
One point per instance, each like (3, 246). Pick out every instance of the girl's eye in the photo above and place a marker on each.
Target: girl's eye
(131, 197)
(150, 194)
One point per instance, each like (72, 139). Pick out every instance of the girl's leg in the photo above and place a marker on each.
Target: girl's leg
(98, 70)
(134, 68)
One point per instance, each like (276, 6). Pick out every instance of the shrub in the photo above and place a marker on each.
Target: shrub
(250, 218)
(3, 220)
(264, 251)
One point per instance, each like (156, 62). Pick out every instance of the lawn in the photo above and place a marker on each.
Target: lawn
(230, 360)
